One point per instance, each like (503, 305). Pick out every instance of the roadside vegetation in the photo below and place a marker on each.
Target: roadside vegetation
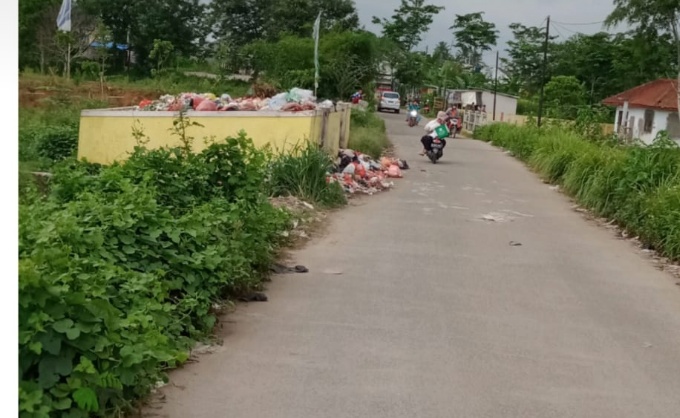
(636, 186)
(368, 133)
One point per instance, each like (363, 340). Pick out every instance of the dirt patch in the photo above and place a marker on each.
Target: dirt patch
(39, 93)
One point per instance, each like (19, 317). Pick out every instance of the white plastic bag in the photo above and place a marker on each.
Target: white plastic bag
(300, 95)
(277, 102)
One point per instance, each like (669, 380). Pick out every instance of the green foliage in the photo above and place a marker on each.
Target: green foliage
(408, 23)
(160, 55)
(638, 186)
(563, 96)
(302, 173)
(56, 142)
(368, 133)
(473, 36)
(120, 267)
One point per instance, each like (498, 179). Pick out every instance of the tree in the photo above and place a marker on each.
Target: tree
(180, 22)
(660, 15)
(441, 52)
(242, 22)
(564, 95)
(103, 36)
(473, 36)
(160, 55)
(525, 56)
(408, 23)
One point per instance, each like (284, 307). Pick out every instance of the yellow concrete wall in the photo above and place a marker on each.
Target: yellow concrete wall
(106, 135)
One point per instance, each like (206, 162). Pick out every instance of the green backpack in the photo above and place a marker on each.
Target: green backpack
(442, 131)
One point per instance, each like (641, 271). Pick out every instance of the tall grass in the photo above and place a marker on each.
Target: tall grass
(638, 187)
(301, 172)
(368, 133)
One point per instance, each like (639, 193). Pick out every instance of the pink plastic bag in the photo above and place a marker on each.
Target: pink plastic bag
(206, 105)
(394, 171)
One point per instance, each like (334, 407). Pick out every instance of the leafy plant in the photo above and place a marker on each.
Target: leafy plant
(120, 268)
(302, 172)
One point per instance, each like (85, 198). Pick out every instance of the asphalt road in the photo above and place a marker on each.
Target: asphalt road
(435, 314)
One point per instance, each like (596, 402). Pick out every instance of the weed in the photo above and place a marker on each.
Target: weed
(368, 133)
(302, 172)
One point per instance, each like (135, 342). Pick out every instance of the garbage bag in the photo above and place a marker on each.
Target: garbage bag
(301, 95)
(394, 171)
(278, 101)
(206, 105)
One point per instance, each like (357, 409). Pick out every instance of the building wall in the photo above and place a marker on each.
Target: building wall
(106, 135)
(660, 122)
(504, 105)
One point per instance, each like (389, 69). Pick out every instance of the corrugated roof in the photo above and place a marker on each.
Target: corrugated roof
(657, 94)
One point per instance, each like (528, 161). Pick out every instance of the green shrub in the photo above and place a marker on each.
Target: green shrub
(57, 142)
(302, 173)
(636, 186)
(368, 133)
(120, 267)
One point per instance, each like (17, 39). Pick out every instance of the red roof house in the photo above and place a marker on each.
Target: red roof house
(651, 107)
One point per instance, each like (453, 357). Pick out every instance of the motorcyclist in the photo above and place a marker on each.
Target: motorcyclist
(413, 105)
(427, 139)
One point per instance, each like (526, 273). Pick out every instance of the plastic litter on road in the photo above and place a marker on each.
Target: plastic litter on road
(359, 173)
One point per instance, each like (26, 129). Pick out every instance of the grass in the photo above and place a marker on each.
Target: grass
(368, 133)
(174, 82)
(302, 173)
(636, 186)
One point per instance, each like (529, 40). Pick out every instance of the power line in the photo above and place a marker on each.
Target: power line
(566, 38)
(579, 24)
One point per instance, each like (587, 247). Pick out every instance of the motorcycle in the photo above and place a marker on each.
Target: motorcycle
(436, 150)
(454, 125)
(413, 118)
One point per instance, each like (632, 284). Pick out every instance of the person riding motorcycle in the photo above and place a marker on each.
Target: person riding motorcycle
(431, 134)
(413, 105)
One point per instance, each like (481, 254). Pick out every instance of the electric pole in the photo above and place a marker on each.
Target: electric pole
(544, 71)
(495, 88)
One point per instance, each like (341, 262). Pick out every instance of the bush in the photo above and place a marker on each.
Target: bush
(638, 187)
(57, 142)
(302, 173)
(368, 133)
(120, 267)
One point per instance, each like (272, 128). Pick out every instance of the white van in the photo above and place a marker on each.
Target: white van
(389, 100)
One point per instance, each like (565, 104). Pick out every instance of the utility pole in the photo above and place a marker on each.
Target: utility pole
(495, 87)
(543, 73)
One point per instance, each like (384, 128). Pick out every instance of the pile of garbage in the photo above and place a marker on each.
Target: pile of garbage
(295, 100)
(359, 173)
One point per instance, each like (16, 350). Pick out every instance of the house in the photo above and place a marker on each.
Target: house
(505, 103)
(643, 111)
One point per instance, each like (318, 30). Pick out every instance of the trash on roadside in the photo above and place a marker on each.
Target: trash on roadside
(515, 244)
(295, 100)
(281, 269)
(359, 173)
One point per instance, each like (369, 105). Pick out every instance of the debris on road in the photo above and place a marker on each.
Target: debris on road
(295, 100)
(278, 268)
(515, 244)
(359, 173)
(254, 297)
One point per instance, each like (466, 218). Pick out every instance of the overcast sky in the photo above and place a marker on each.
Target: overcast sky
(502, 13)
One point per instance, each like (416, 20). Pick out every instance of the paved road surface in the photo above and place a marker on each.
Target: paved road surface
(436, 315)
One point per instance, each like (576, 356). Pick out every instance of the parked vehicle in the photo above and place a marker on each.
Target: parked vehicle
(389, 100)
